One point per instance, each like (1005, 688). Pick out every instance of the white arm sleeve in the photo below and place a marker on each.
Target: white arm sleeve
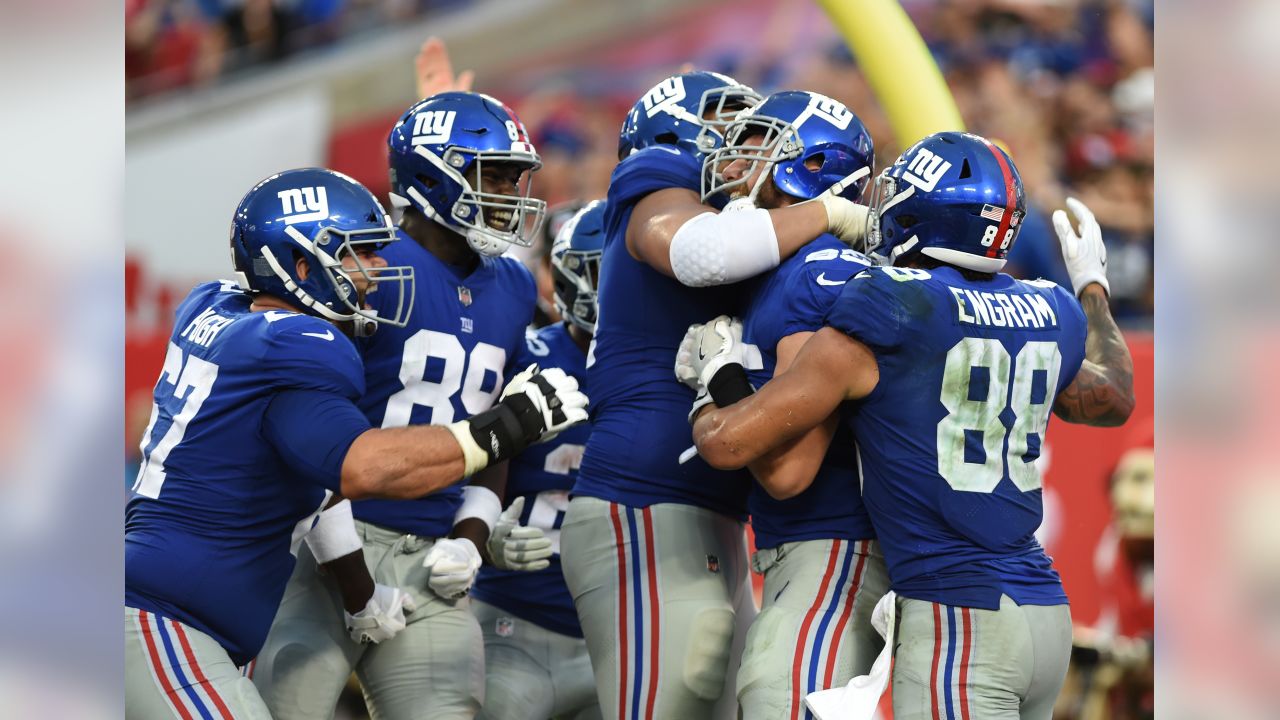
(713, 249)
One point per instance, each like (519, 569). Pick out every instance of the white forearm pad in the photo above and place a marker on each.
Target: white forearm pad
(474, 458)
(334, 534)
(713, 249)
(480, 503)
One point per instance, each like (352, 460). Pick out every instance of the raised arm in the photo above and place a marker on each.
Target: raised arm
(830, 368)
(1102, 391)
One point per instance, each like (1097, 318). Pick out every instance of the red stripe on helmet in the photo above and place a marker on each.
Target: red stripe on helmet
(1010, 195)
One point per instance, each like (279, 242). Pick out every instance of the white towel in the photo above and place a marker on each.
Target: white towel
(858, 699)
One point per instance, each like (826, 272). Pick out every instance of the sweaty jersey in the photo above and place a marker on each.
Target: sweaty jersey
(543, 474)
(216, 514)
(795, 298)
(450, 363)
(639, 410)
(948, 439)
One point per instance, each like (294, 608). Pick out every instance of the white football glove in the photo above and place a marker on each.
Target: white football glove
(1085, 254)
(453, 563)
(709, 348)
(555, 397)
(846, 219)
(513, 546)
(382, 616)
(684, 358)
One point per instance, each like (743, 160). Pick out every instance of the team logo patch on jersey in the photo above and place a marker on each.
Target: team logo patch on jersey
(505, 627)
(464, 296)
(713, 564)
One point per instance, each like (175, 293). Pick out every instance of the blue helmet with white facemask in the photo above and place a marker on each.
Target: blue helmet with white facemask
(575, 265)
(321, 217)
(808, 141)
(955, 197)
(438, 152)
(688, 111)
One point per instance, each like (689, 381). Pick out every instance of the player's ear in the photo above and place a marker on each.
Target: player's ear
(301, 267)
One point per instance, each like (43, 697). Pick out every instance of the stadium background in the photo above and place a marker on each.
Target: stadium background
(224, 92)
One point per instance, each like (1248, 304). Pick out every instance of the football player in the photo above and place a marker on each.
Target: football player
(255, 427)
(822, 571)
(459, 164)
(654, 550)
(536, 663)
(955, 368)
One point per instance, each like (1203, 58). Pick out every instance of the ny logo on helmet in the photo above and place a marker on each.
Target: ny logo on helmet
(304, 204)
(829, 109)
(926, 169)
(433, 126)
(664, 96)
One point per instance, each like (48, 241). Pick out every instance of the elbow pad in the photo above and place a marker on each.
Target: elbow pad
(713, 249)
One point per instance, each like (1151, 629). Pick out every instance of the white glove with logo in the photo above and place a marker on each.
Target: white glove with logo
(453, 563)
(1085, 254)
(382, 616)
(707, 348)
(846, 219)
(513, 546)
(555, 396)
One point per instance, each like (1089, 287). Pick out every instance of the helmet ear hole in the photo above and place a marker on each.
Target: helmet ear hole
(965, 171)
(667, 138)
(427, 182)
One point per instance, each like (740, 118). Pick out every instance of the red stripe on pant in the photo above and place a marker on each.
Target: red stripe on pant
(199, 674)
(859, 547)
(964, 664)
(937, 652)
(832, 557)
(622, 610)
(653, 608)
(165, 685)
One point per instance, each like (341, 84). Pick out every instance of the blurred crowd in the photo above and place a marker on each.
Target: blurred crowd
(178, 43)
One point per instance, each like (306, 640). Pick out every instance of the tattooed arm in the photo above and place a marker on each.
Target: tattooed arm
(1102, 392)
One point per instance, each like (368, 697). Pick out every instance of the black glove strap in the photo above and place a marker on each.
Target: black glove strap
(500, 430)
(729, 385)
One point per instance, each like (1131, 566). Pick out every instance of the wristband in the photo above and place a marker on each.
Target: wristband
(729, 385)
(480, 503)
(497, 433)
(334, 534)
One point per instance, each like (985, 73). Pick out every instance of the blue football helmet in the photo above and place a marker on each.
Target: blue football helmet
(955, 197)
(808, 142)
(575, 265)
(437, 152)
(688, 110)
(324, 218)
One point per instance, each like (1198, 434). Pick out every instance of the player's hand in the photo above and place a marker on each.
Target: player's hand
(382, 616)
(1085, 254)
(453, 564)
(684, 359)
(714, 345)
(547, 402)
(434, 72)
(513, 546)
(846, 219)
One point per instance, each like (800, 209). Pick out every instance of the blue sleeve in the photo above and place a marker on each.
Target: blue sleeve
(1075, 329)
(307, 353)
(812, 292)
(312, 431)
(868, 310)
(652, 169)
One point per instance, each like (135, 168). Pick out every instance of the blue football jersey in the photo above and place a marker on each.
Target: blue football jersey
(215, 514)
(795, 298)
(543, 474)
(948, 440)
(450, 363)
(639, 410)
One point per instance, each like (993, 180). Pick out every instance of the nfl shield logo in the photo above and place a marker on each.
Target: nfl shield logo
(506, 627)
(713, 563)
(464, 296)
